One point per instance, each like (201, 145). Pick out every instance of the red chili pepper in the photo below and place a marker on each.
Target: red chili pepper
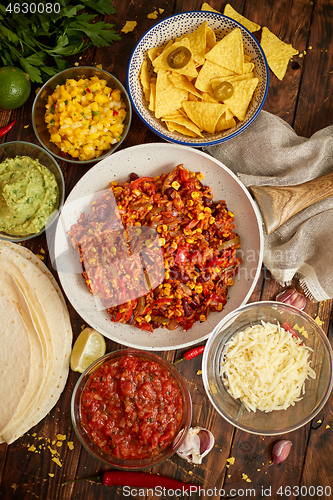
(137, 182)
(181, 255)
(137, 480)
(6, 128)
(192, 353)
(290, 329)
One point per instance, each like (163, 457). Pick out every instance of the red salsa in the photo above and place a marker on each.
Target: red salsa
(132, 407)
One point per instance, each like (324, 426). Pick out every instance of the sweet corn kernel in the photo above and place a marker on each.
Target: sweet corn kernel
(202, 317)
(113, 250)
(148, 318)
(195, 194)
(137, 224)
(159, 229)
(198, 288)
(190, 240)
(230, 214)
(136, 192)
(164, 227)
(208, 210)
(191, 285)
(211, 220)
(178, 295)
(190, 203)
(201, 216)
(167, 275)
(175, 185)
(174, 245)
(198, 230)
(200, 176)
(230, 282)
(187, 231)
(161, 242)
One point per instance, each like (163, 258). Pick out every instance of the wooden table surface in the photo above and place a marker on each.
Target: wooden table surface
(304, 99)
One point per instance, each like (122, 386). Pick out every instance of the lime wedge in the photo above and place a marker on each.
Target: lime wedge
(89, 346)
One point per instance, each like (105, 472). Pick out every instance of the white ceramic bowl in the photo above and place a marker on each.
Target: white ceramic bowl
(154, 159)
(171, 28)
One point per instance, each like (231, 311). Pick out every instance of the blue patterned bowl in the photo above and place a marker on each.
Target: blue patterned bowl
(173, 27)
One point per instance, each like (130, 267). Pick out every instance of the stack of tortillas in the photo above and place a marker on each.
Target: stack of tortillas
(36, 341)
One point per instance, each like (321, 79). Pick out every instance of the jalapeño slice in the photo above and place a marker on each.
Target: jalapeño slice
(223, 91)
(179, 57)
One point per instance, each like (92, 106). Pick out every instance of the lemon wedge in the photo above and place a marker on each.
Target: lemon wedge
(89, 346)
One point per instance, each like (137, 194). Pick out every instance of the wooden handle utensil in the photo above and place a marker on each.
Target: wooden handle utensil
(279, 203)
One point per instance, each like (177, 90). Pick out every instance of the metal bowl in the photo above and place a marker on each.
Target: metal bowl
(38, 109)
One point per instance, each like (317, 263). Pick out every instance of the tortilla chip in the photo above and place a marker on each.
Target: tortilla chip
(154, 52)
(181, 82)
(241, 98)
(208, 71)
(152, 98)
(168, 97)
(210, 38)
(185, 122)
(160, 63)
(145, 79)
(231, 12)
(225, 123)
(197, 43)
(234, 78)
(129, 26)
(175, 127)
(204, 114)
(207, 7)
(229, 52)
(277, 52)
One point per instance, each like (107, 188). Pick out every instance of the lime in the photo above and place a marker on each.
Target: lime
(15, 87)
(89, 346)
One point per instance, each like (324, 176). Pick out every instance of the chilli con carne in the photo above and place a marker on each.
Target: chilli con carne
(171, 222)
(132, 408)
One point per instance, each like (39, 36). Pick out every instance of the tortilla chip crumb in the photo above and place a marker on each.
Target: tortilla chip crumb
(258, 470)
(229, 476)
(54, 442)
(59, 443)
(199, 372)
(318, 321)
(70, 445)
(327, 426)
(246, 478)
(231, 460)
(42, 250)
(160, 10)
(153, 15)
(51, 474)
(32, 448)
(40, 256)
(53, 452)
(319, 421)
(82, 327)
(26, 126)
(34, 434)
(61, 437)
(190, 472)
(57, 461)
(99, 66)
(76, 64)
(129, 26)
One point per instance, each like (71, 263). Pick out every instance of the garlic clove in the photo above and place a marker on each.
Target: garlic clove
(281, 450)
(196, 445)
(292, 297)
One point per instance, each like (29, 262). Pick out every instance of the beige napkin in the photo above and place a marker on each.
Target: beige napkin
(269, 152)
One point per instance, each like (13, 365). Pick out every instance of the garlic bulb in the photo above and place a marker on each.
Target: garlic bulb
(196, 445)
(292, 297)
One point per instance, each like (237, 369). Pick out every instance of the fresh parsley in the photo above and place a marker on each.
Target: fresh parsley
(38, 43)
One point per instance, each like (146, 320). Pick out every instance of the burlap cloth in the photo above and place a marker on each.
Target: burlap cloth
(269, 152)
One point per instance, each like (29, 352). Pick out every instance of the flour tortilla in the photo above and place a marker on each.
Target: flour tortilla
(51, 320)
(15, 356)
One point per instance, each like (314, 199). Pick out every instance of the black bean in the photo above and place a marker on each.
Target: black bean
(169, 192)
(133, 176)
(203, 278)
(187, 310)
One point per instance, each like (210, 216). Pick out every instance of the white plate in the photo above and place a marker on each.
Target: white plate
(154, 159)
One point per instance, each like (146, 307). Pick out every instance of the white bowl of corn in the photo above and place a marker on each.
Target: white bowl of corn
(82, 114)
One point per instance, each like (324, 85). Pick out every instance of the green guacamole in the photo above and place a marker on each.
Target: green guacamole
(28, 195)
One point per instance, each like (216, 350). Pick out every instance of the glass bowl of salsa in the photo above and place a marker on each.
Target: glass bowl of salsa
(131, 409)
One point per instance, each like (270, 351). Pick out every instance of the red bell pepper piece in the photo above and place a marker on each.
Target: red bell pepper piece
(137, 182)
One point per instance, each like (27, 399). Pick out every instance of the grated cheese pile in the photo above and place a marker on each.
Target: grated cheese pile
(266, 367)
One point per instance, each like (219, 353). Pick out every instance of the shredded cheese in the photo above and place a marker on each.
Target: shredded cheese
(266, 367)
